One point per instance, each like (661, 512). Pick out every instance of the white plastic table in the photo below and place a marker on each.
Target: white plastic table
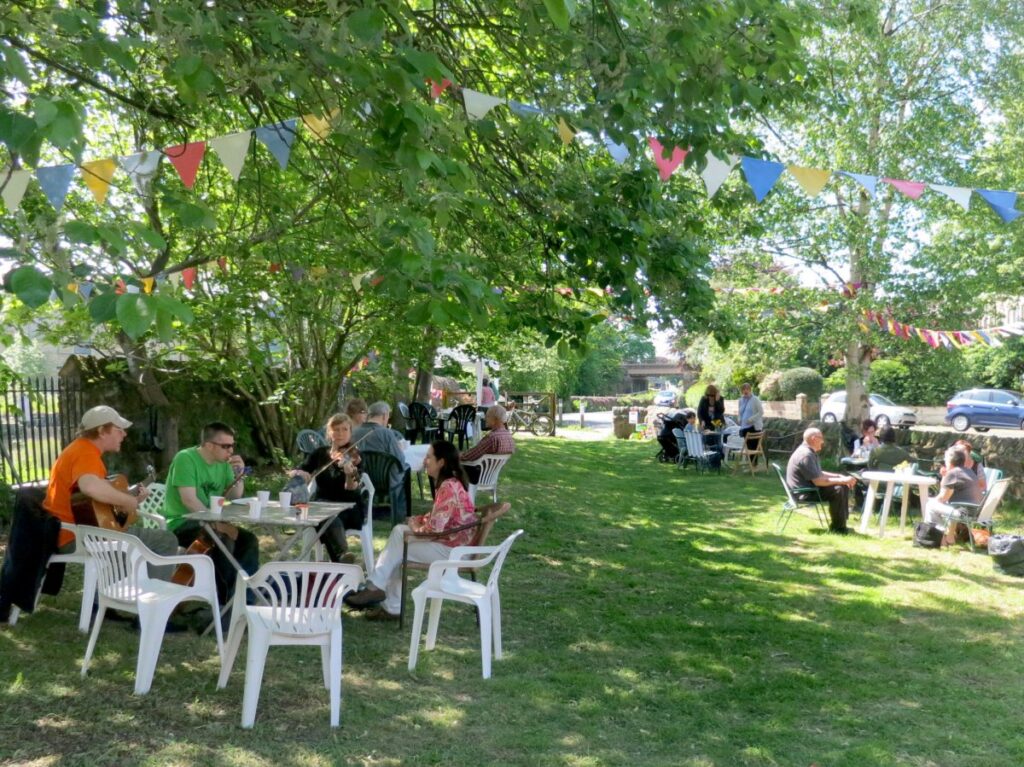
(276, 522)
(891, 479)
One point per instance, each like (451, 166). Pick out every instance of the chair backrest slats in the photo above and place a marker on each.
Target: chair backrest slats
(490, 468)
(992, 500)
(680, 438)
(115, 555)
(694, 443)
(304, 597)
(503, 549)
(782, 479)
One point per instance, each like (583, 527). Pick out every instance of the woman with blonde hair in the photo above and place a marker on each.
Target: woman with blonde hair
(711, 408)
(337, 483)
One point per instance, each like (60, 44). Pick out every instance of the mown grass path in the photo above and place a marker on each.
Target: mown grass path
(652, 617)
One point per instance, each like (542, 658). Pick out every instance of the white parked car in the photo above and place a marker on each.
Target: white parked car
(884, 412)
(665, 398)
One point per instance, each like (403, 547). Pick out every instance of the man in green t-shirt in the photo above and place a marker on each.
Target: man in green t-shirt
(196, 475)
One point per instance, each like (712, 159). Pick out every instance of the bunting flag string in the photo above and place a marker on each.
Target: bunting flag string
(949, 339)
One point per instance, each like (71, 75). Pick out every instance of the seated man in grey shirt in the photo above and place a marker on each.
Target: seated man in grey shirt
(959, 485)
(375, 436)
(804, 469)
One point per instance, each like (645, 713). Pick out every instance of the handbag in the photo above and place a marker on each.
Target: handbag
(927, 535)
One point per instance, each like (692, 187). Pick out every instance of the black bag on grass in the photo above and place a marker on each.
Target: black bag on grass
(927, 535)
(1007, 552)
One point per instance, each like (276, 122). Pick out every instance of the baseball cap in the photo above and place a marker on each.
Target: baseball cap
(101, 415)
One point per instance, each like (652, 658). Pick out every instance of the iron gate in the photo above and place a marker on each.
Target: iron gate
(38, 417)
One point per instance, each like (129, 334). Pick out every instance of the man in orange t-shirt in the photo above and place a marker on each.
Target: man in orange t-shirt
(80, 468)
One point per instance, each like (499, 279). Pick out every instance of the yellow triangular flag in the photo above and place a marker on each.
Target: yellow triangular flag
(147, 284)
(232, 151)
(812, 180)
(320, 127)
(73, 287)
(97, 175)
(565, 132)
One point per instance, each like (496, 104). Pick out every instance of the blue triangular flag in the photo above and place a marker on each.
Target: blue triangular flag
(761, 175)
(85, 290)
(55, 182)
(524, 110)
(619, 152)
(278, 138)
(868, 182)
(1001, 202)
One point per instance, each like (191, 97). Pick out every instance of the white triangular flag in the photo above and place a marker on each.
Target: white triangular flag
(961, 195)
(232, 150)
(479, 104)
(716, 171)
(15, 187)
(141, 167)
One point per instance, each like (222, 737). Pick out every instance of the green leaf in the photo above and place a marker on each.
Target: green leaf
(66, 127)
(17, 131)
(15, 65)
(79, 231)
(424, 63)
(45, 111)
(164, 326)
(561, 12)
(175, 308)
(136, 313)
(30, 285)
(103, 308)
(367, 24)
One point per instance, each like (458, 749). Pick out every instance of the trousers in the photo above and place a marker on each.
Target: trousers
(387, 573)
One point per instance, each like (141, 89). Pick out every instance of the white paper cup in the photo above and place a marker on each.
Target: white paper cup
(216, 504)
(285, 499)
(255, 507)
(263, 496)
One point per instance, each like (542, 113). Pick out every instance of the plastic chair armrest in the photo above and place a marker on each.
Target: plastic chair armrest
(411, 535)
(196, 561)
(438, 568)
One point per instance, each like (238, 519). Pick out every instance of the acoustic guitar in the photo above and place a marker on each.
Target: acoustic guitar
(88, 511)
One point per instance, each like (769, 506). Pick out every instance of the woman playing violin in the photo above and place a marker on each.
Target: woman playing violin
(338, 483)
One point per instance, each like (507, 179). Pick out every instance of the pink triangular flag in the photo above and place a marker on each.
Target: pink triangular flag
(912, 189)
(666, 167)
(186, 158)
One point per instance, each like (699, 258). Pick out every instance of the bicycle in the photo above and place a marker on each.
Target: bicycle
(538, 424)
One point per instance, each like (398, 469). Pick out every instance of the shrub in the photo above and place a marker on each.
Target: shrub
(769, 389)
(836, 381)
(801, 381)
(694, 393)
(891, 378)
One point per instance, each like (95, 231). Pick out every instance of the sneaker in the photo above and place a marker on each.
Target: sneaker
(371, 595)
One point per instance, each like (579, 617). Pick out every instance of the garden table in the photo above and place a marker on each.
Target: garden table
(892, 478)
(276, 521)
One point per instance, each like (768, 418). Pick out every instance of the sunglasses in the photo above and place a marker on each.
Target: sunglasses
(223, 446)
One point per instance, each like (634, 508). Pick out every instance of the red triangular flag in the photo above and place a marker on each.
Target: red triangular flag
(912, 189)
(186, 158)
(436, 90)
(666, 167)
(188, 276)
(119, 287)
(275, 268)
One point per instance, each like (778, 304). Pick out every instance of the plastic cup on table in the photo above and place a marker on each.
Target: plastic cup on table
(263, 496)
(285, 499)
(255, 507)
(216, 504)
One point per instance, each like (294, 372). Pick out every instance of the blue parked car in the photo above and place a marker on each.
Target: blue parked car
(985, 408)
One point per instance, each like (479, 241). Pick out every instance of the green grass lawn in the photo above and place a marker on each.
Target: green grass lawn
(652, 617)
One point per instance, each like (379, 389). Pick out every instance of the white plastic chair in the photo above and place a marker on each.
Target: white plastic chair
(77, 557)
(121, 562)
(365, 532)
(981, 515)
(149, 509)
(697, 452)
(302, 607)
(444, 582)
(490, 467)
